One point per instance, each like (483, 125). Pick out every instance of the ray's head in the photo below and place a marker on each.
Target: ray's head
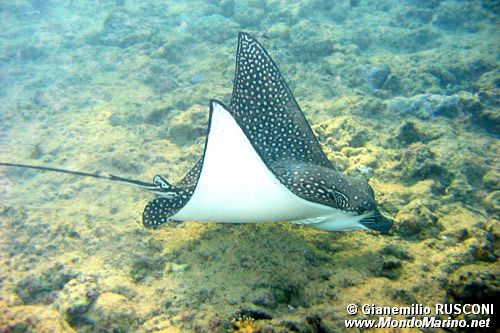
(353, 197)
(361, 201)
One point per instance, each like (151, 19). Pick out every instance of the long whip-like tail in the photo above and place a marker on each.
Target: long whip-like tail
(147, 186)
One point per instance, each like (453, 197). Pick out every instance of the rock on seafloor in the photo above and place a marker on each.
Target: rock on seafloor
(113, 311)
(32, 318)
(75, 299)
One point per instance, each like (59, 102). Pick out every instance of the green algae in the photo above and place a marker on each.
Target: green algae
(101, 86)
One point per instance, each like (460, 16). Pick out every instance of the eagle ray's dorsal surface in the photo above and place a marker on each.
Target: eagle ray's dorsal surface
(262, 162)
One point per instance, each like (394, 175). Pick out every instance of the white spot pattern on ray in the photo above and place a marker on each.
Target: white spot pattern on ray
(267, 111)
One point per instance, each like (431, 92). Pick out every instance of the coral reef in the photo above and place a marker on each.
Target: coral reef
(243, 325)
(404, 94)
(76, 297)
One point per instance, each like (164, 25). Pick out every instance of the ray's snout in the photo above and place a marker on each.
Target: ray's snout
(377, 222)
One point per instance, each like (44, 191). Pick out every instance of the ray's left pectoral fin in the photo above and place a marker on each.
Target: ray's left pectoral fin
(157, 212)
(192, 176)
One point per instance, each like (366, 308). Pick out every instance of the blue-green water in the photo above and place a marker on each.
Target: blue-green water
(404, 91)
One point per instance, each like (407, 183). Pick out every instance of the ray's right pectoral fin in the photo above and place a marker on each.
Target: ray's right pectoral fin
(157, 212)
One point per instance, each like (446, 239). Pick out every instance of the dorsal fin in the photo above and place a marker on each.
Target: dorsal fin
(266, 110)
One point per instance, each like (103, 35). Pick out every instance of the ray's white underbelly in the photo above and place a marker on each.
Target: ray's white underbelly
(235, 201)
(235, 186)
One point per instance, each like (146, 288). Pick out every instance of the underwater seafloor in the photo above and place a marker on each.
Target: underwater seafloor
(406, 92)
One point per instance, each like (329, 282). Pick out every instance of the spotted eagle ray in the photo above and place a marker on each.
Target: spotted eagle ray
(261, 163)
